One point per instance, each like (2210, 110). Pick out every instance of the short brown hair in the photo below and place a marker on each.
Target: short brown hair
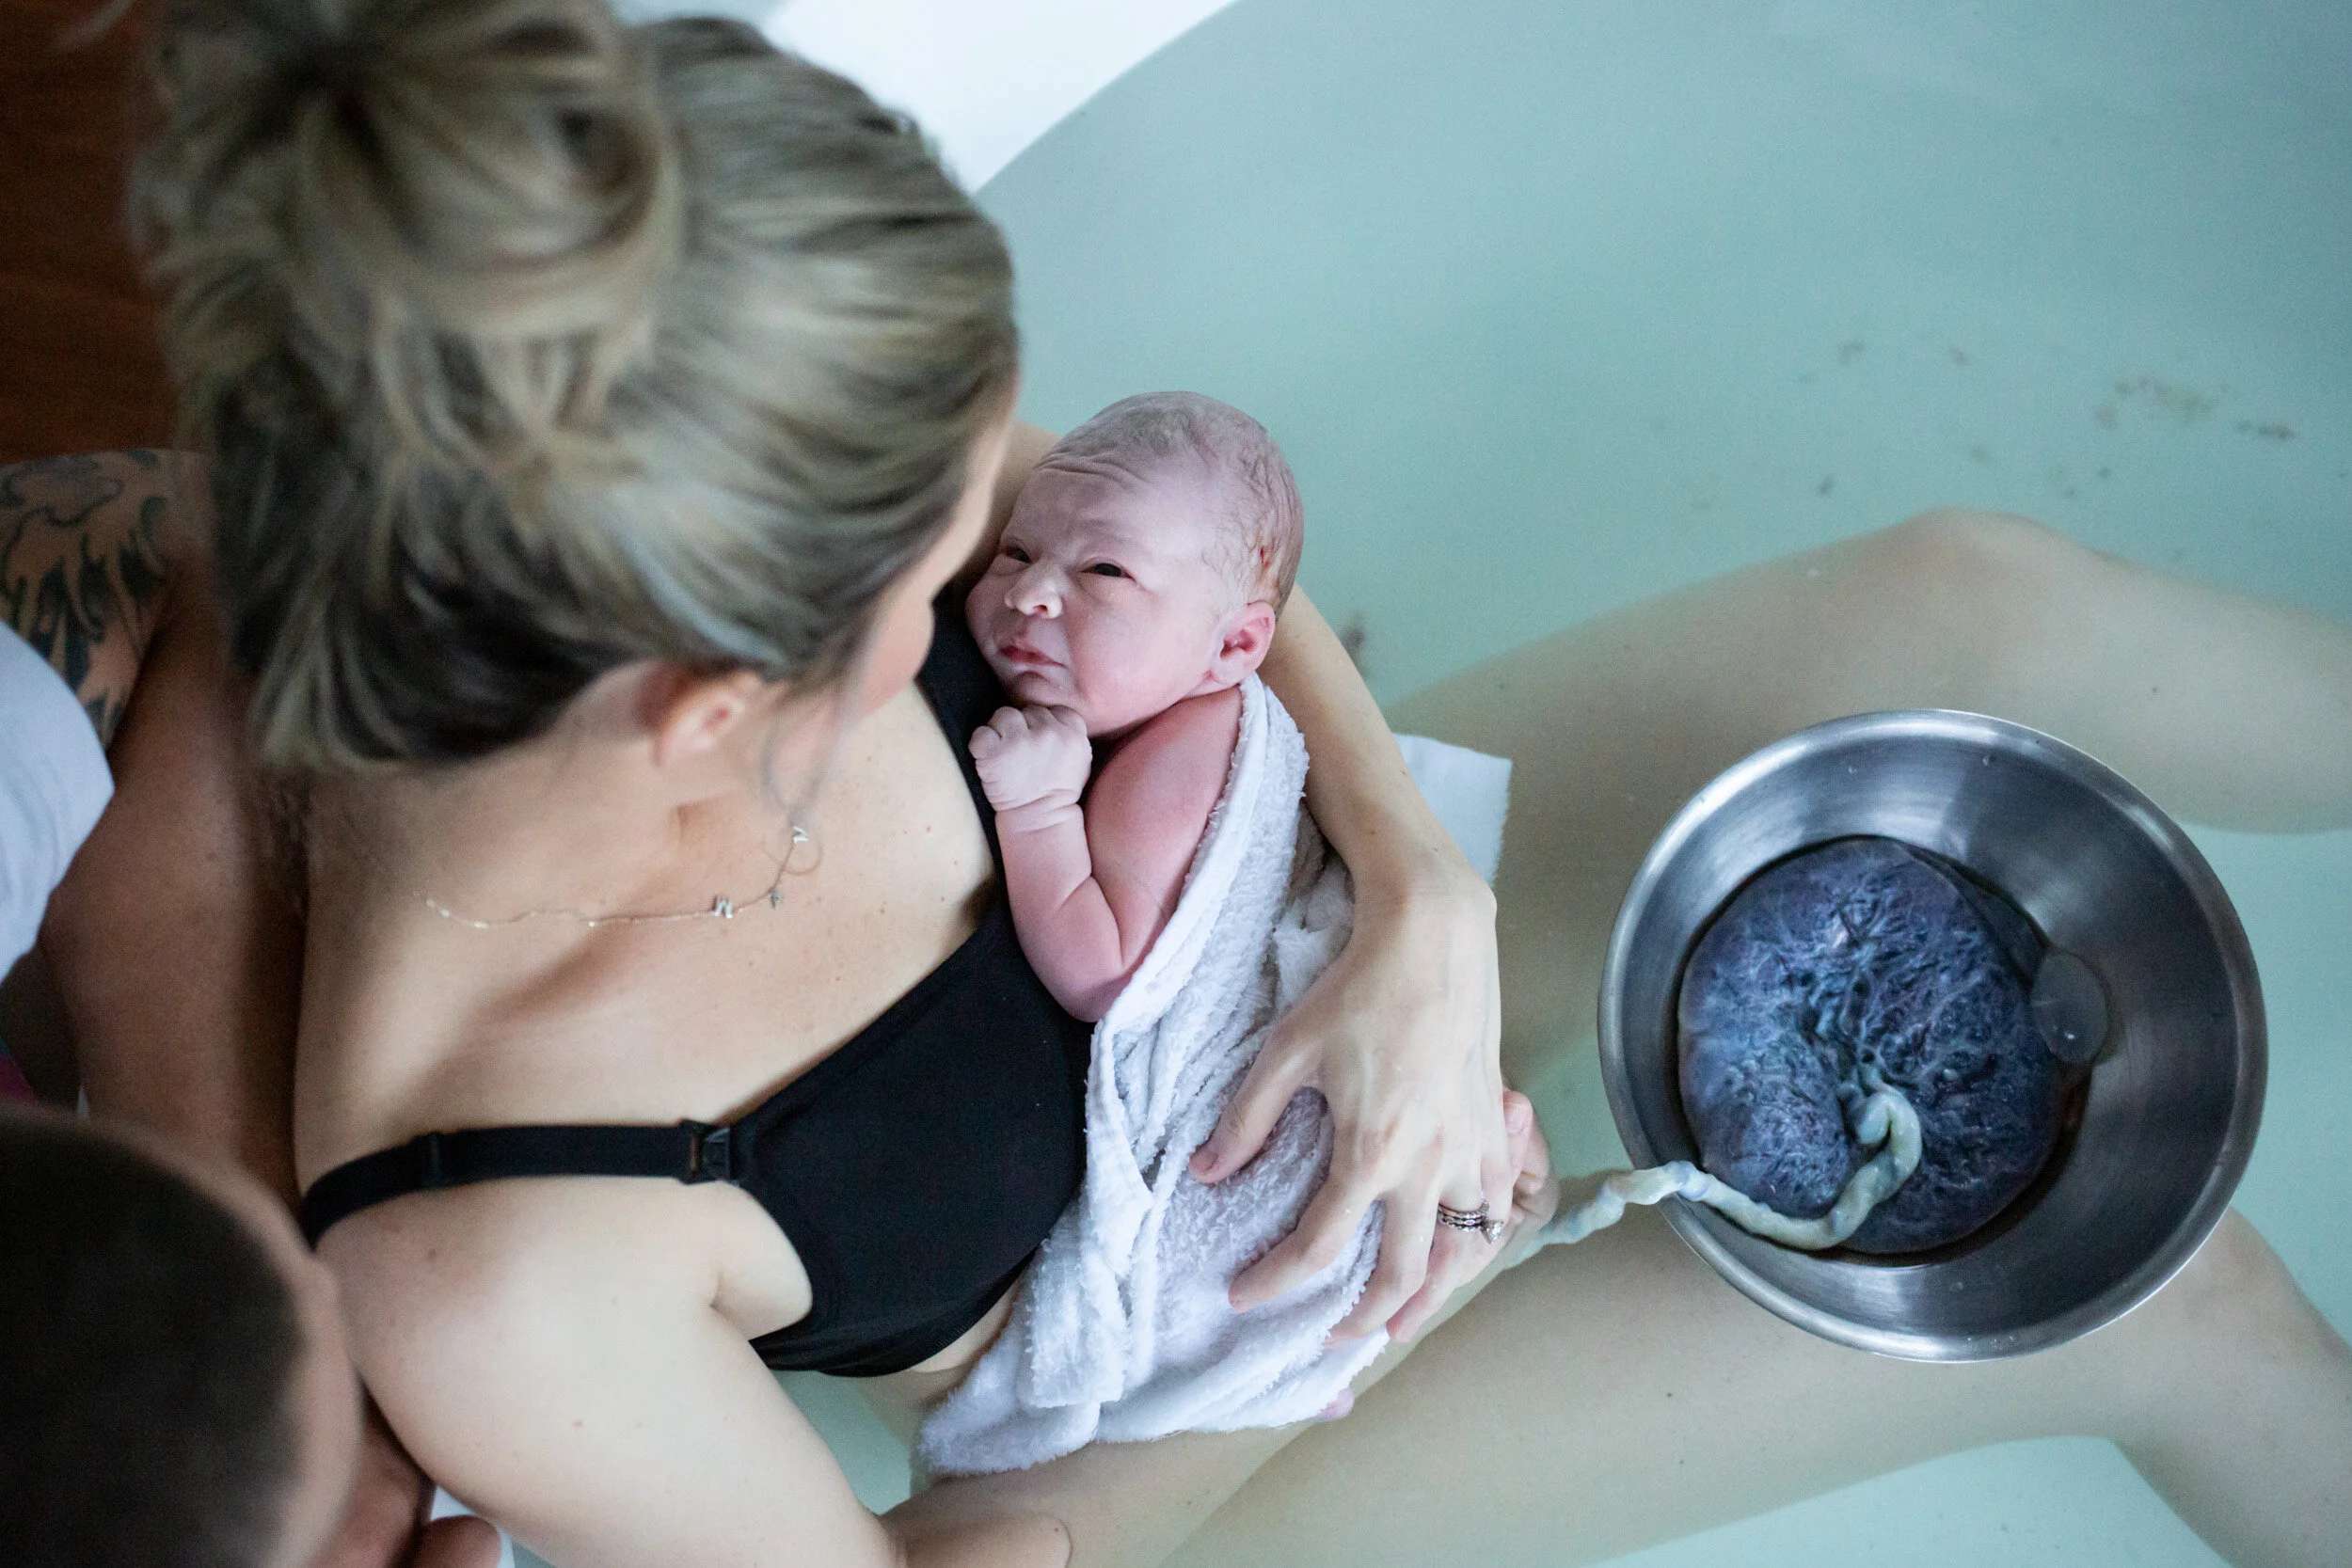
(148, 1350)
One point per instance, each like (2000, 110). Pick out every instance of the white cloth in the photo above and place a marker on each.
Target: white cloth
(1123, 1331)
(53, 784)
(1468, 790)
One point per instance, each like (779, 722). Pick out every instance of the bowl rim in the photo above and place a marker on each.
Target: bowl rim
(1698, 1227)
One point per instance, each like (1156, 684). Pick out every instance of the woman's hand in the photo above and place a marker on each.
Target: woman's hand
(1402, 1038)
(1536, 1195)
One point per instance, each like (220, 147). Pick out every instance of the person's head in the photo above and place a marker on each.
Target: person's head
(1146, 561)
(532, 347)
(173, 1383)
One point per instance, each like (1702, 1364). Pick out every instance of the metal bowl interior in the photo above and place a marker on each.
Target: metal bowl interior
(2169, 1112)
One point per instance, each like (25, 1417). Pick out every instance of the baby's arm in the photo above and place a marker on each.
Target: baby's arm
(1092, 888)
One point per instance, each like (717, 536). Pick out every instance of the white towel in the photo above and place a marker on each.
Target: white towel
(1122, 1330)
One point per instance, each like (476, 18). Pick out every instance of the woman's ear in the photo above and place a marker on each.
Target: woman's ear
(689, 714)
(1243, 641)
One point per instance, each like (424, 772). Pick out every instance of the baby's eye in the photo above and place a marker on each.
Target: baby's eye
(1015, 552)
(1105, 569)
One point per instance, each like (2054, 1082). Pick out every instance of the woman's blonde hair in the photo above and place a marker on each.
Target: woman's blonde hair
(528, 344)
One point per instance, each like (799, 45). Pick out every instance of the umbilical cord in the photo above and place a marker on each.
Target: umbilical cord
(1884, 1123)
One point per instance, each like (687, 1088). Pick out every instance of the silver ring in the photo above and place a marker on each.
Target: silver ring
(1476, 1219)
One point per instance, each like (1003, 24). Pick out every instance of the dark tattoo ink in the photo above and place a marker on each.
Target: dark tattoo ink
(82, 568)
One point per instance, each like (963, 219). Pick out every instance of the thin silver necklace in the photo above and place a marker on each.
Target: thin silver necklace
(721, 907)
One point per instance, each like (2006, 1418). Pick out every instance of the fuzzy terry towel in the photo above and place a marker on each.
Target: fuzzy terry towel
(1121, 1331)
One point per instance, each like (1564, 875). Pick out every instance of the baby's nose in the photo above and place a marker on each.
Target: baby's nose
(1035, 592)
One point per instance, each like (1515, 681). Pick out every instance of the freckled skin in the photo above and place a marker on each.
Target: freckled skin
(1857, 948)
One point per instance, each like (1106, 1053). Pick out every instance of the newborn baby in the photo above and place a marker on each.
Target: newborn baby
(1168, 884)
(1135, 585)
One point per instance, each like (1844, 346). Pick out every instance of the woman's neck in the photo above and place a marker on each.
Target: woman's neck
(569, 828)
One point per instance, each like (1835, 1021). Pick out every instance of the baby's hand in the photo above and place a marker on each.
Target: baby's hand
(1026, 755)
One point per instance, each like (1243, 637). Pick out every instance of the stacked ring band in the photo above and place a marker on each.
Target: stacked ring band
(1476, 1219)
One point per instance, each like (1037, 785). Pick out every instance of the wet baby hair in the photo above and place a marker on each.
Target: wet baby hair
(1266, 531)
(528, 344)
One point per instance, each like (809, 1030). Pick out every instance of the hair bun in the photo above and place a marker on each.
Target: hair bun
(490, 416)
(400, 176)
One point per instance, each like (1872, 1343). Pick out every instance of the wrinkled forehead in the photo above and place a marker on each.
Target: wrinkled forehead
(1136, 500)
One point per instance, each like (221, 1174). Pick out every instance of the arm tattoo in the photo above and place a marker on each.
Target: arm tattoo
(81, 567)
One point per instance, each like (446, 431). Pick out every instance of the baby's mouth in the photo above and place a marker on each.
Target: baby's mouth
(1014, 651)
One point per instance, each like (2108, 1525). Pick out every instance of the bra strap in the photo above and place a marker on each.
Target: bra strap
(691, 1152)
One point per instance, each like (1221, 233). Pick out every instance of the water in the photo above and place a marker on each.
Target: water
(2070, 1007)
(1554, 305)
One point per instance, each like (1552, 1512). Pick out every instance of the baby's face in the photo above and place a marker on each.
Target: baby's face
(1101, 597)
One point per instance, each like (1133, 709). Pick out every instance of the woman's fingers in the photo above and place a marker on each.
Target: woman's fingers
(1413, 1252)
(1535, 1194)
(1454, 1256)
(1250, 1114)
(1519, 1191)
(1313, 1245)
(1458, 1252)
(1528, 1148)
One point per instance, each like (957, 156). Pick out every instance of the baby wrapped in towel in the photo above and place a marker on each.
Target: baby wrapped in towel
(1178, 895)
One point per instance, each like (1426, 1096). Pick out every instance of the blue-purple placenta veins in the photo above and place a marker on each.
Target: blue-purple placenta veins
(1865, 949)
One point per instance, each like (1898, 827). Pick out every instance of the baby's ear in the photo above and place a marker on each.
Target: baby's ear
(1242, 643)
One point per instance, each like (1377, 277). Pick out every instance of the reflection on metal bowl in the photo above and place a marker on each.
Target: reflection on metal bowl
(2166, 1118)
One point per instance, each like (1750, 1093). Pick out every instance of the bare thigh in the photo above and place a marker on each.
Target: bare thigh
(1617, 1393)
(1611, 1395)
(2229, 710)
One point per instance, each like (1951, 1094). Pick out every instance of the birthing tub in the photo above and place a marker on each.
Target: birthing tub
(1556, 304)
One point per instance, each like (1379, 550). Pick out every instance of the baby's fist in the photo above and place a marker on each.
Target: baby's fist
(1035, 755)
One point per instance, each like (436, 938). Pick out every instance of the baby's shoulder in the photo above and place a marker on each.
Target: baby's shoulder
(1174, 766)
(1198, 731)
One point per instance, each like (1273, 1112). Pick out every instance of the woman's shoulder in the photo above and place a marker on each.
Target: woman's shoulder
(542, 1353)
(438, 1279)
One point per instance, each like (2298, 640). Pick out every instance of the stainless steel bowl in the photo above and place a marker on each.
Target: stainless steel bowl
(2170, 1109)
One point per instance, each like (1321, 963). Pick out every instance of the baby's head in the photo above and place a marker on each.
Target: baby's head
(1146, 561)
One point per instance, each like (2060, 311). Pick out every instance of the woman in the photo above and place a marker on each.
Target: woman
(596, 414)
